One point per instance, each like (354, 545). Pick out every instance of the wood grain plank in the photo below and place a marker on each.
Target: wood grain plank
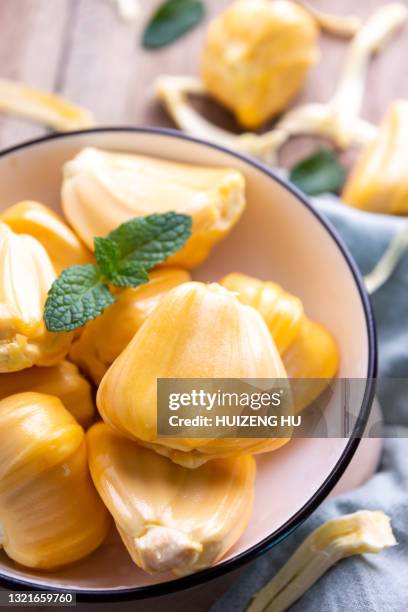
(32, 34)
(109, 72)
(84, 50)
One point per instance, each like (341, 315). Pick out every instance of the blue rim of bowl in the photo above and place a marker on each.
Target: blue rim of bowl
(194, 580)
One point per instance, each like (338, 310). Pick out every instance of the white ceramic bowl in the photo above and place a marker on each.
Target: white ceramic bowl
(279, 237)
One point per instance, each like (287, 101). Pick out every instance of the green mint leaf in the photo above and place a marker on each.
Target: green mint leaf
(150, 240)
(171, 20)
(319, 173)
(76, 296)
(120, 273)
(129, 274)
(123, 258)
(107, 255)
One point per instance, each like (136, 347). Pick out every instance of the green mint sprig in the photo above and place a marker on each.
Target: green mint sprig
(123, 258)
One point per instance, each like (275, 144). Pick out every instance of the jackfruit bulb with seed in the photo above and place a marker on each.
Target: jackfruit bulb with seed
(196, 331)
(103, 189)
(171, 518)
(26, 275)
(50, 512)
(256, 57)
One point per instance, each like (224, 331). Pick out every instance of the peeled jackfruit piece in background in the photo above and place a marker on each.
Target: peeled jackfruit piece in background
(379, 180)
(196, 331)
(50, 512)
(308, 350)
(170, 518)
(104, 338)
(62, 245)
(62, 380)
(256, 57)
(102, 189)
(26, 274)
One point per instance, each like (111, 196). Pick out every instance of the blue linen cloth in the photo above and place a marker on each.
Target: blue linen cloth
(370, 582)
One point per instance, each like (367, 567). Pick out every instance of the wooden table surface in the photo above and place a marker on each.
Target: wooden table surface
(81, 49)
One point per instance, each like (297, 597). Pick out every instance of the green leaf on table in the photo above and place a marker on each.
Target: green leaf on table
(319, 173)
(171, 20)
(76, 296)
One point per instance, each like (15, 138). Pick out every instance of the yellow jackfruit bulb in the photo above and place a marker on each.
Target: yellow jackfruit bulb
(62, 245)
(62, 380)
(104, 338)
(314, 355)
(256, 57)
(169, 517)
(379, 180)
(26, 274)
(101, 190)
(308, 349)
(50, 512)
(281, 311)
(196, 331)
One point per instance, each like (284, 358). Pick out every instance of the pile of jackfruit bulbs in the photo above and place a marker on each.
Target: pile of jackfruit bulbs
(65, 477)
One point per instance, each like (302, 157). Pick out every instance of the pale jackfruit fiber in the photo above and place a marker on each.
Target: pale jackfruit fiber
(170, 518)
(308, 349)
(362, 532)
(196, 331)
(104, 338)
(63, 380)
(42, 106)
(103, 189)
(62, 245)
(256, 57)
(50, 512)
(379, 180)
(26, 275)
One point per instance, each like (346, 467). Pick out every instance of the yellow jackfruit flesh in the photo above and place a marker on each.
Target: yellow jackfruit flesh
(170, 518)
(50, 513)
(62, 380)
(101, 190)
(256, 57)
(196, 331)
(62, 245)
(26, 274)
(308, 350)
(314, 355)
(281, 311)
(379, 180)
(104, 338)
